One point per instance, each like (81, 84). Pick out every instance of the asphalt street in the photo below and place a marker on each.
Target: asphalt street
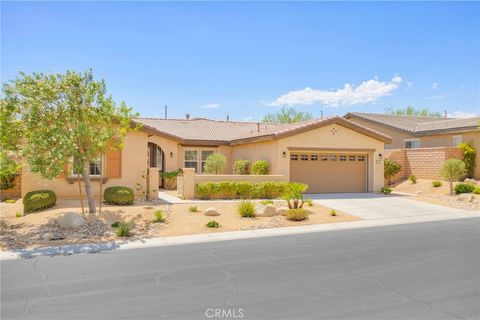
(415, 271)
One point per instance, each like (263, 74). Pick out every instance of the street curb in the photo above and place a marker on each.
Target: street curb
(224, 236)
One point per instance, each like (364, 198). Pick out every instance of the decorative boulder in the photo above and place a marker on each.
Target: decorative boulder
(268, 210)
(211, 212)
(282, 211)
(472, 181)
(71, 220)
(48, 236)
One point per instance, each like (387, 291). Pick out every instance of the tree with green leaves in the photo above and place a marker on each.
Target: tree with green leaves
(453, 170)
(411, 111)
(390, 169)
(66, 119)
(469, 156)
(215, 163)
(287, 115)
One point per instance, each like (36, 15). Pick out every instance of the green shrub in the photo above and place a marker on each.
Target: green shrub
(265, 202)
(293, 193)
(123, 230)
(118, 195)
(170, 177)
(436, 183)
(116, 224)
(8, 170)
(385, 190)
(244, 190)
(240, 189)
(241, 167)
(213, 224)
(10, 201)
(464, 188)
(309, 202)
(215, 163)
(159, 216)
(227, 189)
(18, 214)
(246, 209)
(413, 179)
(207, 189)
(297, 214)
(333, 212)
(267, 190)
(469, 155)
(39, 200)
(476, 190)
(390, 169)
(193, 209)
(260, 167)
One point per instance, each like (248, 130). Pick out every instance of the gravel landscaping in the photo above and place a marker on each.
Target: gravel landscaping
(49, 227)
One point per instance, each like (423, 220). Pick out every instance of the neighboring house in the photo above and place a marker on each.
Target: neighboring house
(418, 132)
(329, 154)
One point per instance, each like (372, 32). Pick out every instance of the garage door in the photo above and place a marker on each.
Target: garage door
(324, 173)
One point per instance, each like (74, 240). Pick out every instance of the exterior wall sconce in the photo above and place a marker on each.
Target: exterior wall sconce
(380, 156)
(284, 154)
(171, 154)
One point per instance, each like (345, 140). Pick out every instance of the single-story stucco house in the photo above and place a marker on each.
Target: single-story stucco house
(430, 134)
(330, 154)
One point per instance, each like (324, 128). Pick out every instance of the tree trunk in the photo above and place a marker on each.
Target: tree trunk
(80, 191)
(101, 184)
(88, 191)
(451, 188)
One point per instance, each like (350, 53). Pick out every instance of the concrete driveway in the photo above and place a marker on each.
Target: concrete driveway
(371, 206)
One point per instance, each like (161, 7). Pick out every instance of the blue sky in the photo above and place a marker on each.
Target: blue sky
(214, 59)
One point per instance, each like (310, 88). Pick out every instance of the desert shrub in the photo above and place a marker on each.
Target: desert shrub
(293, 193)
(297, 214)
(464, 188)
(246, 209)
(227, 189)
(309, 202)
(18, 214)
(241, 167)
(469, 155)
(260, 167)
(265, 202)
(118, 195)
(213, 224)
(39, 200)
(267, 190)
(476, 190)
(207, 189)
(390, 169)
(244, 189)
(116, 224)
(215, 163)
(240, 189)
(436, 183)
(453, 170)
(193, 209)
(333, 212)
(123, 230)
(413, 179)
(385, 190)
(159, 216)
(10, 201)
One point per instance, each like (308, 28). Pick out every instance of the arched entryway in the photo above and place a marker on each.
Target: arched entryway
(156, 159)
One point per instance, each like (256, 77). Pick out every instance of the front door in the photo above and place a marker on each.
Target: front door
(156, 158)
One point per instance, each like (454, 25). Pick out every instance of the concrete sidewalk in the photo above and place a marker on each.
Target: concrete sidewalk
(234, 235)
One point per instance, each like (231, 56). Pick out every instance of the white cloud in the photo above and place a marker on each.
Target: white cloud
(211, 106)
(435, 85)
(367, 91)
(440, 96)
(461, 114)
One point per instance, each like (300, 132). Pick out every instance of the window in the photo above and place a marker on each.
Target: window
(314, 157)
(342, 158)
(332, 157)
(205, 154)
(410, 144)
(457, 140)
(94, 169)
(323, 157)
(294, 157)
(351, 158)
(361, 158)
(304, 157)
(191, 159)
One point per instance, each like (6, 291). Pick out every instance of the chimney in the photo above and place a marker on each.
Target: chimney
(228, 118)
(187, 116)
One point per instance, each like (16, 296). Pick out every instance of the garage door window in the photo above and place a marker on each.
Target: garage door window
(323, 157)
(351, 158)
(304, 157)
(294, 157)
(343, 158)
(361, 158)
(314, 157)
(332, 157)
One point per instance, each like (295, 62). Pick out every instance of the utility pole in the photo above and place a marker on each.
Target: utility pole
(166, 108)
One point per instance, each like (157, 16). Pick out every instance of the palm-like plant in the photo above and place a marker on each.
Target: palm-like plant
(293, 193)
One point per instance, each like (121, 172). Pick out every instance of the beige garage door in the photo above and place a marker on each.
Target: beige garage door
(324, 173)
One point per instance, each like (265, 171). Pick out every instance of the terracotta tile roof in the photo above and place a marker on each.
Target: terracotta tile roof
(206, 130)
(406, 123)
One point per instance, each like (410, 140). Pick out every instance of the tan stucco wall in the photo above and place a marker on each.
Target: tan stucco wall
(257, 151)
(446, 140)
(134, 164)
(398, 136)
